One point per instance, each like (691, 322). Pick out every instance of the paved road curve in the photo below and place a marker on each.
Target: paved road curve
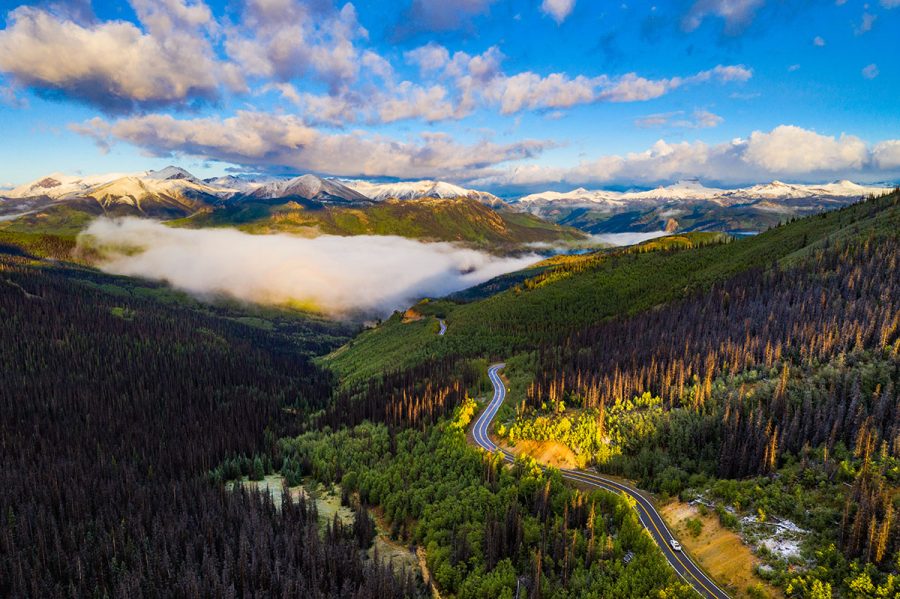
(647, 513)
(443, 327)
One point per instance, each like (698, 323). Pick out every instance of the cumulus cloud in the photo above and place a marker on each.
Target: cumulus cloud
(818, 41)
(789, 149)
(558, 91)
(115, 65)
(430, 57)
(559, 10)
(784, 152)
(286, 39)
(736, 14)
(266, 141)
(887, 154)
(340, 276)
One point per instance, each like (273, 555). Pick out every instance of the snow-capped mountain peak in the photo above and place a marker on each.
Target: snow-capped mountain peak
(172, 172)
(413, 190)
(59, 185)
(309, 187)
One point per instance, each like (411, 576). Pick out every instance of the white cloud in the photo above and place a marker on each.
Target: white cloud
(409, 101)
(559, 10)
(704, 119)
(430, 57)
(870, 71)
(404, 100)
(699, 119)
(790, 149)
(531, 91)
(287, 39)
(784, 152)
(115, 65)
(887, 154)
(269, 141)
(340, 276)
(818, 41)
(462, 83)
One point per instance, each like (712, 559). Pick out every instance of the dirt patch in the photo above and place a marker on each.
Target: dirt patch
(426, 573)
(550, 453)
(718, 550)
(412, 315)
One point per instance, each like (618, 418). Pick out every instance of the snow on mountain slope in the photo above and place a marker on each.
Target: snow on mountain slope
(149, 195)
(687, 189)
(576, 195)
(693, 190)
(309, 187)
(172, 172)
(59, 185)
(230, 185)
(414, 190)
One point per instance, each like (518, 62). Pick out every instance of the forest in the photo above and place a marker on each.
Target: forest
(763, 374)
(112, 409)
(768, 368)
(487, 529)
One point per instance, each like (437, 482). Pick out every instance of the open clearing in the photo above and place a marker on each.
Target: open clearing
(328, 502)
(718, 550)
(551, 453)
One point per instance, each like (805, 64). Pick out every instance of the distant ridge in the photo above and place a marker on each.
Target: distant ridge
(686, 205)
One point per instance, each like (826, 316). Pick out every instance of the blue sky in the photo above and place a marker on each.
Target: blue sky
(509, 96)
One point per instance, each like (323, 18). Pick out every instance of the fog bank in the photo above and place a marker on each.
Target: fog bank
(339, 276)
(620, 239)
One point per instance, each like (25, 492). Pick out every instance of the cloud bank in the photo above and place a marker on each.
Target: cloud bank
(268, 140)
(339, 276)
(785, 152)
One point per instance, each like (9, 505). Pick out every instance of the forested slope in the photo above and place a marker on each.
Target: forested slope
(458, 220)
(113, 406)
(762, 374)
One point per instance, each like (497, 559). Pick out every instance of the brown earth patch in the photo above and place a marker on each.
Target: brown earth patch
(718, 550)
(550, 453)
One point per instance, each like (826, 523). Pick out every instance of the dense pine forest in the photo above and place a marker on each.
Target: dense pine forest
(112, 408)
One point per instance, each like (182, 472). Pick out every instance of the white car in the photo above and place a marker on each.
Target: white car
(676, 546)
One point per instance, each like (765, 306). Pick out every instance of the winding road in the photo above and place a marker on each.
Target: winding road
(647, 513)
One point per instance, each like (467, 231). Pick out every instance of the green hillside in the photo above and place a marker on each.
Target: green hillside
(576, 291)
(458, 220)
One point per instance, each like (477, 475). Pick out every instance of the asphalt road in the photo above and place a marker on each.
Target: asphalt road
(647, 513)
(443, 327)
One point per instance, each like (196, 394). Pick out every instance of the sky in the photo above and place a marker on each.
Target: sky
(508, 96)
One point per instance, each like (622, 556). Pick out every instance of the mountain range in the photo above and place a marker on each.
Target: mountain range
(346, 206)
(306, 205)
(690, 206)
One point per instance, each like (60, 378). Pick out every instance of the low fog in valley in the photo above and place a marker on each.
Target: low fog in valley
(339, 276)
